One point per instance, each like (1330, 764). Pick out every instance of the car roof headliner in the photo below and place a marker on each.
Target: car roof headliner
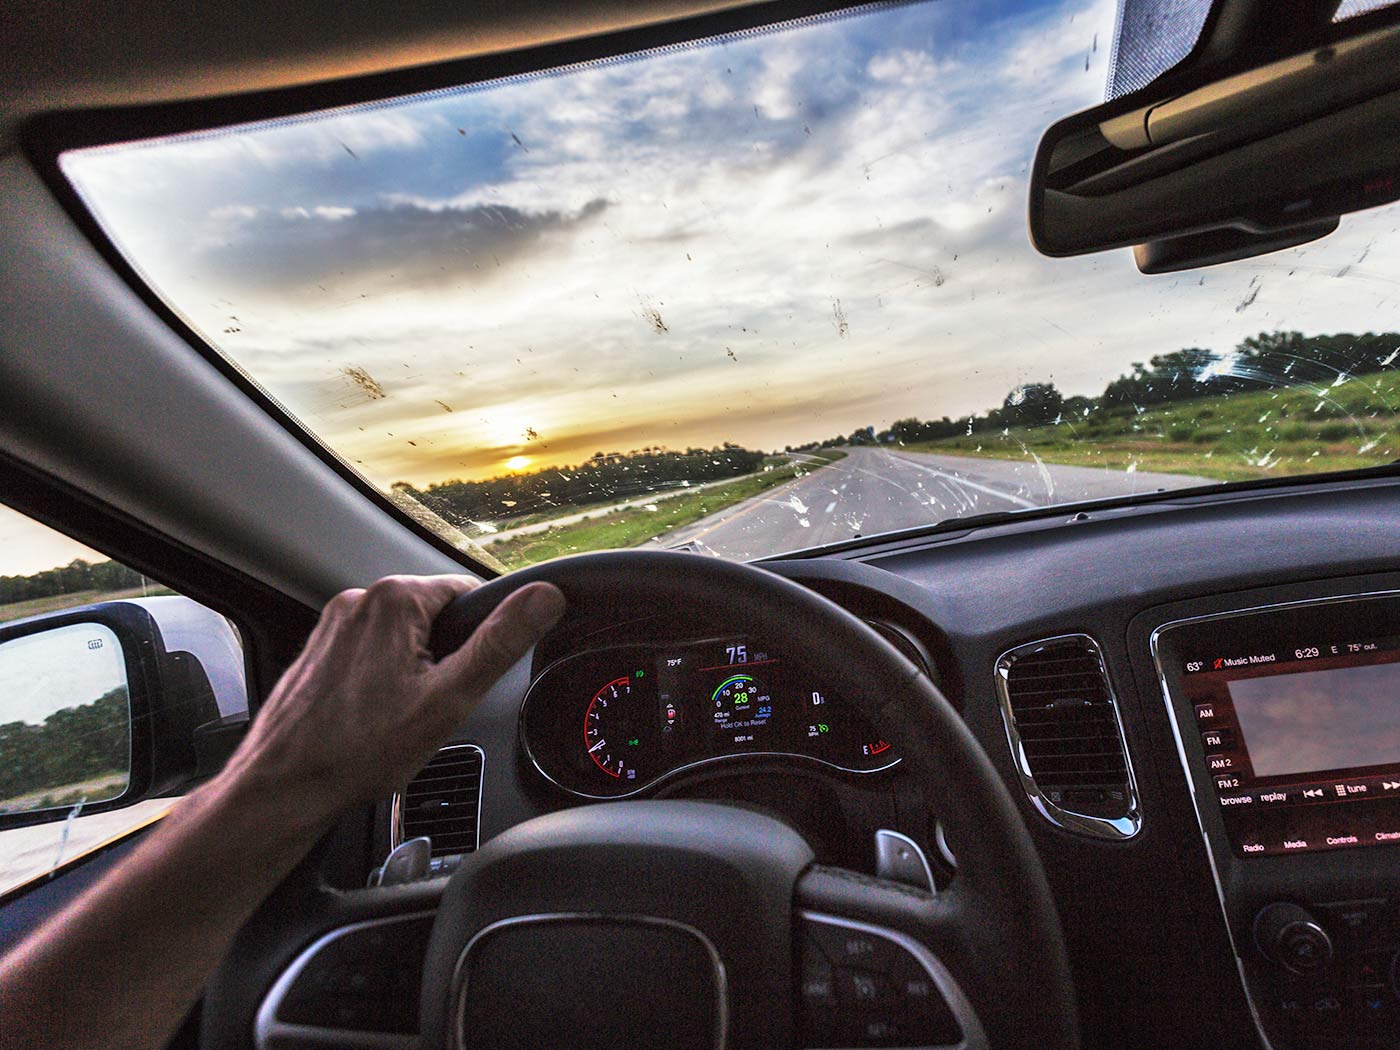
(104, 53)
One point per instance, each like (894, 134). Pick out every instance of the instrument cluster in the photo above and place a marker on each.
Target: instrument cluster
(610, 722)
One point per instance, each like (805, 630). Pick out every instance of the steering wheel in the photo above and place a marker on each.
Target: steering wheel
(685, 924)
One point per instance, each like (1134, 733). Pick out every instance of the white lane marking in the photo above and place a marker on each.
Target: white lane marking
(830, 507)
(964, 483)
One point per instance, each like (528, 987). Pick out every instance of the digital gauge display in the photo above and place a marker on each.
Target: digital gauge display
(610, 722)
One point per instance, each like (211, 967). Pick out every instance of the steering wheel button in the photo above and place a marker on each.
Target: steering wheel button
(862, 988)
(818, 986)
(917, 989)
(881, 1031)
(846, 947)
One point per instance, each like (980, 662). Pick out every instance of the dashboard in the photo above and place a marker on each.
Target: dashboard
(1182, 933)
(610, 722)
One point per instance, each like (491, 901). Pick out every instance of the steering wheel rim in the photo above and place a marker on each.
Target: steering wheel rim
(998, 917)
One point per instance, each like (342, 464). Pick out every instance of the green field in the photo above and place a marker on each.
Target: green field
(95, 789)
(636, 525)
(1266, 433)
(59, 602)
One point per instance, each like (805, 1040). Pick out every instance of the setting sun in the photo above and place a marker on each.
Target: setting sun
(517, 463)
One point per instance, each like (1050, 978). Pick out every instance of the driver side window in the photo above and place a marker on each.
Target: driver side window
(116, 694)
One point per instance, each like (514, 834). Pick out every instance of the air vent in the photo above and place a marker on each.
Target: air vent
(1066, 736)
(443, 802)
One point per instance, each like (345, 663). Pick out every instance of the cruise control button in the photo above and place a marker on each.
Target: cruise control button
(818, 986)
(862, 989)
(816, 980)
(882, 1029)
(846, 947)
(931, 1020)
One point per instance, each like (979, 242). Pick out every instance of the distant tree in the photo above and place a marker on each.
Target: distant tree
(1032, 405)
(604, 477)
(71, 745)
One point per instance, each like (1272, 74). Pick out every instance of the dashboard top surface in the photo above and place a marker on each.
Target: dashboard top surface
(1115, 575)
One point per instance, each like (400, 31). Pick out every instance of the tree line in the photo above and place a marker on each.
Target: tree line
(71, 745)
(77, 575)
(1263, 361)
(603, 478)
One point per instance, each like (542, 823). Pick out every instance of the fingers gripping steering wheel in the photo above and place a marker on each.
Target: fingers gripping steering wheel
(693, 924)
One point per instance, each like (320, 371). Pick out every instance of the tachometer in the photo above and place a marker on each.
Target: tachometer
(611, 732)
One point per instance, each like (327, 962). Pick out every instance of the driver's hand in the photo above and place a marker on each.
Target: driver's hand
(364, 707)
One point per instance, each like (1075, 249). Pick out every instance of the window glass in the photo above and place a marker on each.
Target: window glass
(766, 292)
(68, 616)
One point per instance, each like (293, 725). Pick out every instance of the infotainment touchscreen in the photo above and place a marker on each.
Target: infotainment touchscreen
(1302, 740)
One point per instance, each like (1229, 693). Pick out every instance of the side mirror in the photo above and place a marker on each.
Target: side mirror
(105, 705)
(65, 719)
(1225, 167)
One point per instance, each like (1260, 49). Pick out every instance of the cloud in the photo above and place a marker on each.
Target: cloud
(501, 249)
(354, 250)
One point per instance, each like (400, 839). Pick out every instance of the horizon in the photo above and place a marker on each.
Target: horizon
(767, 239)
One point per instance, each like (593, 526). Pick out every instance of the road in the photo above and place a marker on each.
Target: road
(875, 490)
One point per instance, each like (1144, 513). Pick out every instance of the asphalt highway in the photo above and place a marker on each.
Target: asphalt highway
(876, 490)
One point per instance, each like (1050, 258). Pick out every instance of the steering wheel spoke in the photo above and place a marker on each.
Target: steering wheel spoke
(876, 965)
(695, 924)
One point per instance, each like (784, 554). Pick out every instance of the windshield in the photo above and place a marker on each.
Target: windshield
(749, 296)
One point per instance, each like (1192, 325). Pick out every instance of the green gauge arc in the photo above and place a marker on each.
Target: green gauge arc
(714, 697)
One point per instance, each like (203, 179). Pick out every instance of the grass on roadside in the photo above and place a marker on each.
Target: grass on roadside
(634, 526)
(1239, 437)
(58, 602)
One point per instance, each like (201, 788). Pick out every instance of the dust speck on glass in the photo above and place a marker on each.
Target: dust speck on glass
(758, 294)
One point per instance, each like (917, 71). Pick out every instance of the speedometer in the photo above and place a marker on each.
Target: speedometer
(611, 730)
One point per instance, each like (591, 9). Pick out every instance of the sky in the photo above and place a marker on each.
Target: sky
(27, 547)
(44, 673)
(1320, 720)
(769, 240)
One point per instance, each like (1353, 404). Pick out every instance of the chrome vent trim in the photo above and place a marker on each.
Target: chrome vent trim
(1061, 812)
(404, 824)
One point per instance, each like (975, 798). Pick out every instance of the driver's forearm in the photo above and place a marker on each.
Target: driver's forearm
(121, 967)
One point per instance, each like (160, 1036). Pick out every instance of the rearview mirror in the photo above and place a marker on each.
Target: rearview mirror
(65, 719)
(1221, 169)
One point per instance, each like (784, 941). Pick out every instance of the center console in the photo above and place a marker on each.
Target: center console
(1287, 720)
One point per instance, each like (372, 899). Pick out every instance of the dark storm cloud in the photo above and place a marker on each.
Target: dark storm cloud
(342, 248)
